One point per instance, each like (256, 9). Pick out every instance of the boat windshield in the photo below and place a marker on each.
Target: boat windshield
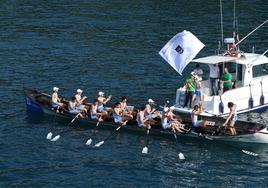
(260, 70)
(231, 67)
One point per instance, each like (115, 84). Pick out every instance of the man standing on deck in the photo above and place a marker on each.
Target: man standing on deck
(198, 71)
(214, 74)
(190, 88)
(226, 79)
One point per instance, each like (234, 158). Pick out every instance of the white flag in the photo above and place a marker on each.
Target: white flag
(181, 49)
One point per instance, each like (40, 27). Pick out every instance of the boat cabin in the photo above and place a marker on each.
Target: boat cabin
(249, 76)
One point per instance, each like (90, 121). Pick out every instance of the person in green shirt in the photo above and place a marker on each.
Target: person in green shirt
(190, 88)
(226, 80)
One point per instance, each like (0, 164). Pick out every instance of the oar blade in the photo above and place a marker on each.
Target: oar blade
(250, 153)
(144, 150)
(49, 136)
(181, 156)
(55, 138)
(89, 141)
(99, 144)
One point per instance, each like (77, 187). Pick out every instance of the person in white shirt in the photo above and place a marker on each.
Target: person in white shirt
(56, 101)
(142, 121)
(198, 71)
(150, 111)
(80, 100)
(72, 108)
(169, 121)
(214, 74)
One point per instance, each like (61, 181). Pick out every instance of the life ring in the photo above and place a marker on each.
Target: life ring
(231, 53)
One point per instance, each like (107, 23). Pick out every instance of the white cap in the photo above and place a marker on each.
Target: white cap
(79, 90)
(55, 89)
(172, 108)
(166, 109)
(196, 77)
(192, 73)
(150, 101)
(101, 93)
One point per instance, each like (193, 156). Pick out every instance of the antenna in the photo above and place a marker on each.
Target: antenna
(251, 32)
(234, 18)
(237, 35)
(221, 23)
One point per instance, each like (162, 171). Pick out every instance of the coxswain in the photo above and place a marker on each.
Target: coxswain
(232, 117)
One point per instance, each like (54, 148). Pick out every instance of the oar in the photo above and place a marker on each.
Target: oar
(102, 142)
(181, 156)
(203, 136)
(58, 136)
(145, 148)
(89, 141)
(250, 153)
(49, 135)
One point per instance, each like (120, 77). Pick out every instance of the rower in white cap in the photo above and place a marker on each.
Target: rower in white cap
(56, 101)
(102, 102)
(80, 100)
(150, 111)
(170, 121)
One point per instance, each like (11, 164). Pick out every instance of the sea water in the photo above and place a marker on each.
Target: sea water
(113, 46)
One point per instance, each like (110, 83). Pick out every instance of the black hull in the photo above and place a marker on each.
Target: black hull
(40, 102)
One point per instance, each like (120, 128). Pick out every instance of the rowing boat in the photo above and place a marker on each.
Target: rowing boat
(247, 132)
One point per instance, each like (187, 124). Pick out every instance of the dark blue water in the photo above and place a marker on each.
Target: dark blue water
(113, 46)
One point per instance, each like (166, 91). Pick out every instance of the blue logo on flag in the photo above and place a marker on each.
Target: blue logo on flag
(179, 49)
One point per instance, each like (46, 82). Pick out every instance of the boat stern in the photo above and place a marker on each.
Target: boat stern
(31, 104)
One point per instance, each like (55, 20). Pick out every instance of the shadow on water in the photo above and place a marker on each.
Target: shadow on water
(34, 118)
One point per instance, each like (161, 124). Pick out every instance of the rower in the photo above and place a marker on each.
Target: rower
(124, 105)
(72, 107)
(94, 111)
(150, 112)
(199, 125)
(232, 117)
(56, 101)
(141, 120)
(118, 114)
(102, 102)
(169, 121)
(80, 100)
